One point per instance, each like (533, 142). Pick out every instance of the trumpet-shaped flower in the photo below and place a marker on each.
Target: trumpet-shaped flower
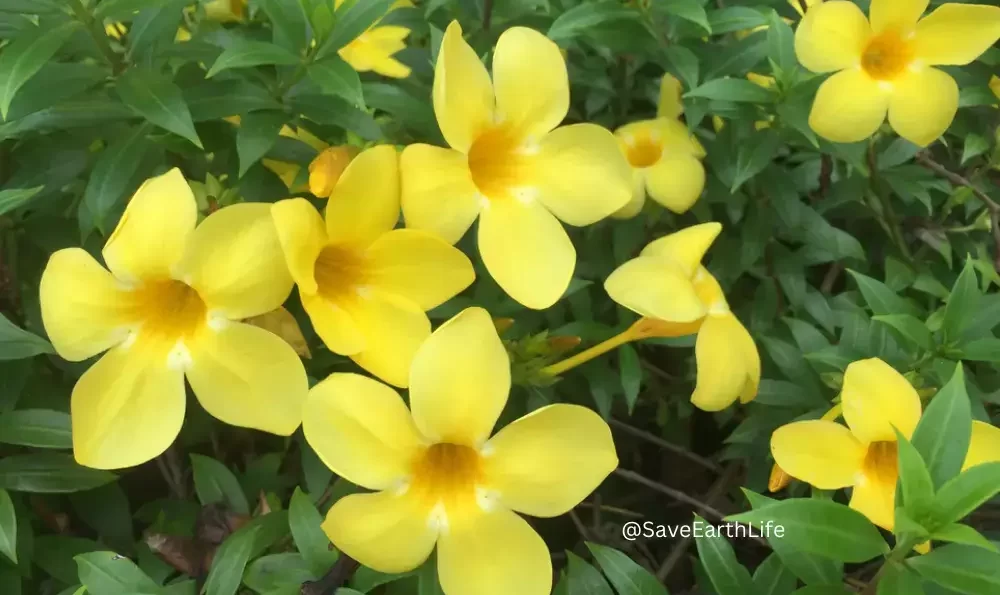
(365, 286)
(510, 166)
(886, 66)
(677, 296)
(169, 309)
(863, 455)
(374, 49)
(440, 479)
(664, 155)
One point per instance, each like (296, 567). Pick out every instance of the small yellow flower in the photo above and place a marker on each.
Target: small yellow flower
(885, 67)
(169, 310)
(373, 50)
(365, 286)
(289, 172)
(327, 167)
(863, 455)
(664, 155)
(510, 166)
(668, 286)
(440, 479)
(225, 11)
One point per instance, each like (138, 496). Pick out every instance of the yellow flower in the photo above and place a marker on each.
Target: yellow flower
(373, 50)
(225, 11)
(664, 155)
(169, 309)
(365, 286)
(282, 323)
(440, 479)
(668, 286)
(327, 167)
(885, 67)
(830, 456)
(510, 166)
(995, 85)
(289, 172)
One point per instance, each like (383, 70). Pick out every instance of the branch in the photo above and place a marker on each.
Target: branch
(706, 508)
(341, 571)
(652, 438)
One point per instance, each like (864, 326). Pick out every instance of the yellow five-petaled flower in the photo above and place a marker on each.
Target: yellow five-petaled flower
(170, 308)
(885, 66)
(440, 479)
(510, 166)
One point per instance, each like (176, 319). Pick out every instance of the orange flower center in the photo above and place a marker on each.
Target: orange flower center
(881, 462)
(446, 474)
(643, 151)
(169, 310)
(498, 163)
(887, 55)
(338, 270)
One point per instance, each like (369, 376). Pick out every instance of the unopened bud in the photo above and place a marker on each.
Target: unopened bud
(326, 169)
(560, 345)
(779, 480)
(503, 324)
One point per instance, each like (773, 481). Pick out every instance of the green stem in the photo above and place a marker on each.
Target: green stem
(100, 37)
(888, 213)
(896, 556)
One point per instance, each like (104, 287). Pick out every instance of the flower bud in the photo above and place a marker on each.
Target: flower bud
(326, 168)
(779, 480)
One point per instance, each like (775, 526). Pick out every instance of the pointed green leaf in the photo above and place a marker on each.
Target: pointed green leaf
(880, 298)
(26, 55)
(214, 482)
(305, 522)
(336, 77)
(631, 374)
(230, 561)
(959, 533)
(8, 527)
(156, 98)
(772, 577)
(962, 302)
(962, 568)
(908, 328)
(14, 198)
(732, 89)
(584, 579)
(107, 573)
(257, 134)
(945, 428)
(17, 343)
(960, 495)
(780, 43)
(245, 53)
(351, 19)
(40, 428)
(627, 577)
(49, 473)
(717, 557)
(914, 480)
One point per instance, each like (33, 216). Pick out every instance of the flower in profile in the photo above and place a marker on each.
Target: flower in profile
(374, 49)
(665, 156)
(168, 309)
(885, 67)
(863, 455)
(365, 286)
(327, 167)
(509, 164)
(677, 296)
(440, 479)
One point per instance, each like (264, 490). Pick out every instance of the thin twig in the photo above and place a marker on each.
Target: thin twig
(341, 572)
(613, 510)
(711, 466)
(826, 286)
(584, 533)
(703, 507)
(168, 476)
(487, 14)
(927, 161)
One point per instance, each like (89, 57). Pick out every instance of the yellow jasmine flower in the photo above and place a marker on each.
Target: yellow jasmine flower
(875, 399)
(664, 155)
(677, 296)
(327, 167)
(885, 67)
(510, 166)
(373, 50)
(169, 309)
(438, 477)
(365, 286)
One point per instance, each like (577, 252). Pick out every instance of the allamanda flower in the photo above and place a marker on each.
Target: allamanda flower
(885, 67)
(875, 398)
(169, 309)
(669, 287)
(440, 479)
(373, 50)
(365, 286)
(510, 166)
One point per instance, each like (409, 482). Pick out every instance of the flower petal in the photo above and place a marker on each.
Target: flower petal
(548, 461)
(497, 553)
(832, 36)
(418, 266)
(526, 250)
(463, 93)
(874, 495)
(676, 182)
(685, 248)
(634, 205)
(670, 104)
(750, 358)
(724, 373)
(302, 235)
(438, 193)
(361, 429)
(956, 34)
(923, 105)
(531, 82)
(235, 262)
(334, 324)
(460, 380)
(900, 15)
(384, 531)
(672, 137)
(365, 202)
(875, 397)
(849, 107)
(655, 289)
(152, 234)
(248, 377)
(580, 174)
(821, 453)
(984, 447)
(83, 309)
(127, 408)
(393, 328)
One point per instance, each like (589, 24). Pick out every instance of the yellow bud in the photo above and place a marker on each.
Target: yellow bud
(282, 323)
(326, 168)
(670, 104)
(559, 345)
(779, 480)
(115, 30)
(995, 85)
(225, 11)
(503, 324)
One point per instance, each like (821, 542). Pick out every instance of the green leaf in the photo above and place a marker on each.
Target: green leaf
(820, 527)
(159, 100)
(121, 9)
(753, 156)
(30, 6)
(958, 533)
(627, 577)
(631, 374)
(735, 18)
(336, 77)
(8, 527)
(780, 43)
(945, 428)
(14, 198)
(288, 22)
(689, 10)
(326, 109)
(154, 28)
(962, 303)
(908, 328)
(17, 343)
(112, 177)
(352, 18)
(39, 428)
(214, 482)
(584, 579)
(732, 89)
(311, 541)
(585, 16)
(257, 134)
(427, 578)
(216, 99)
(230, 560)
(107, 573)
(914, 480)
(49, 473)
(245, 53)
(960, 495)
(962, 568)
(275, 571)
(106, 510)
(10, 580)
(25, 56)
(899, 580)
(981, 350)
(880, 298)
(716, 555)
(773, 578)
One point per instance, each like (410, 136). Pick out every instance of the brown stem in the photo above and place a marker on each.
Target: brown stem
(341, 572)
(487, 14)
(652, 438)
(703, 507)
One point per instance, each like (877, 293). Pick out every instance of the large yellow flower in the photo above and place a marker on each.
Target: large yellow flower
(664, 155)
(828, 455)
(677, 296)
(365, 286)
(885, 67)
(169, 310)
(440, 479)
(510, 166)
(373, 50)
